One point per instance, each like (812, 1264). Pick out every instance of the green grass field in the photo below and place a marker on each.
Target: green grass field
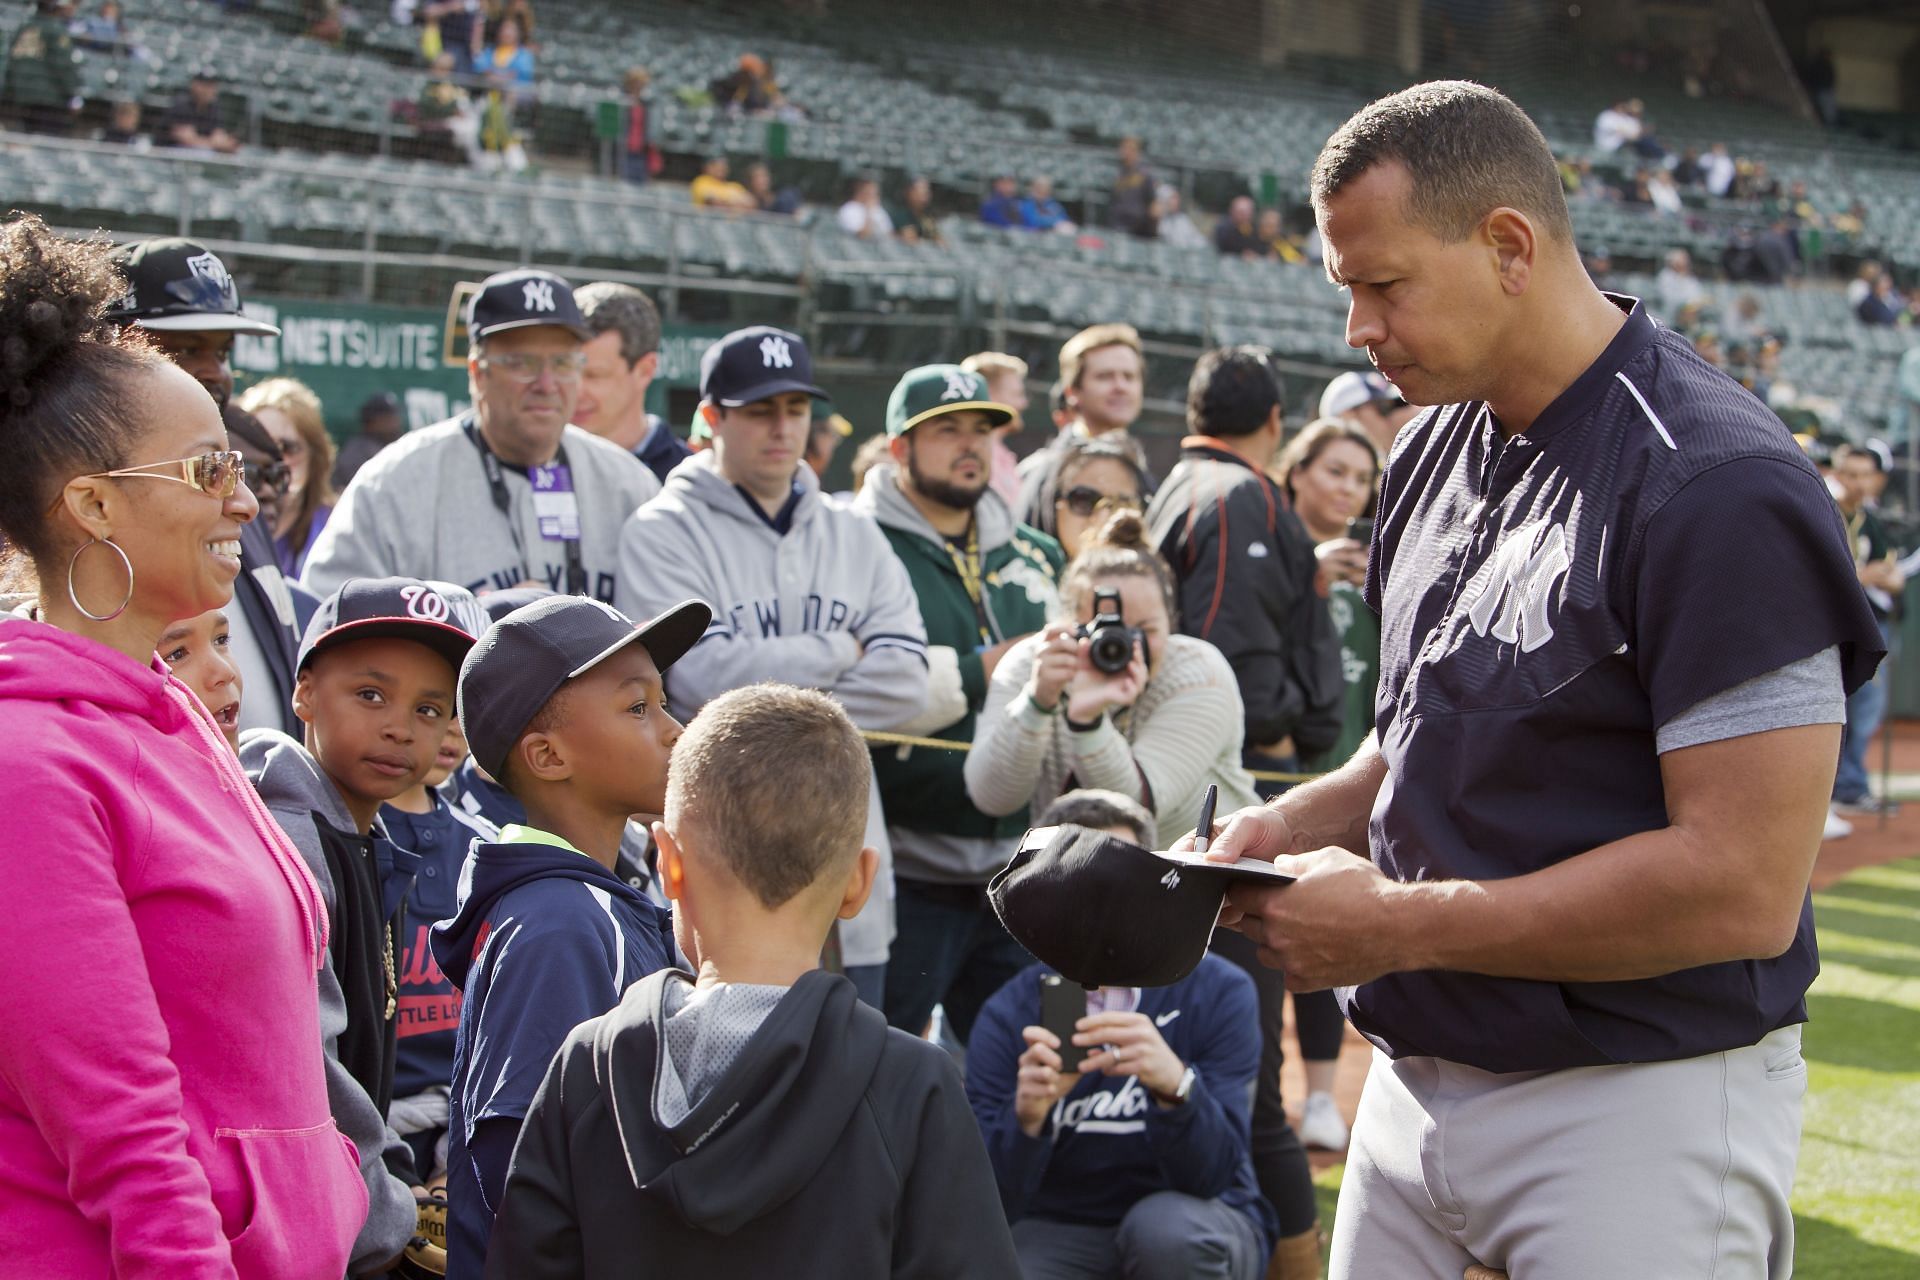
(1857, 1201)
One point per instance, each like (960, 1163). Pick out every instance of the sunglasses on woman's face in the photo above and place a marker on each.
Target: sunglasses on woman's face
(1083, 500)
(268, 476)
(215, 474)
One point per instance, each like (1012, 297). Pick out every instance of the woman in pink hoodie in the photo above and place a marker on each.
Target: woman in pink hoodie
(162, 1107)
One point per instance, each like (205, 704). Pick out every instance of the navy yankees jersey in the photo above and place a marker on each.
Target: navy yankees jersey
(1546, 603)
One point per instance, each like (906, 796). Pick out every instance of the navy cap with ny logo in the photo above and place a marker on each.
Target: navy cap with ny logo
(522, 299)
(756, 364)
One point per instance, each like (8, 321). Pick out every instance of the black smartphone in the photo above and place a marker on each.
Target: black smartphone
(1062, 1004)
(1360, 530)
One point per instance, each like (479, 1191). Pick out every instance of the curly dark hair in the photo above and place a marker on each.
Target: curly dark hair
(65, 372)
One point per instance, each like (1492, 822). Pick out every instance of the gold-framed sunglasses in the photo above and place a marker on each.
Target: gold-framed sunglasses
(215, 474)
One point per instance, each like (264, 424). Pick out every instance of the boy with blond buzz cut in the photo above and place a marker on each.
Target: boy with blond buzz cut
(754, 1116)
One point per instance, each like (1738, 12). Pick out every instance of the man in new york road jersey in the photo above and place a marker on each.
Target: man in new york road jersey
(1618, 622)
(507, 494)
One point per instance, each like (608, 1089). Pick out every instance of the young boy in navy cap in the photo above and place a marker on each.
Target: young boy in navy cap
(754, 1118)
(374, 688)
(561, 702)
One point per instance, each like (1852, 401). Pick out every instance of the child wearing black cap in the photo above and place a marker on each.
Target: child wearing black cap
(561, 702)
(756, 1118)
(374, 688)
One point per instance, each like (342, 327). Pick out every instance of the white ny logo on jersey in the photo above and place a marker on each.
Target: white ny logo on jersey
(426, 603)
(775, 353)
(959, 386)
(537, 295)
(1512, 603)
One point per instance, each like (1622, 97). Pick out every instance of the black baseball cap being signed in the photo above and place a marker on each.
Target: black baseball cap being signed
(521, 661)
(756, 364)
(1107, 913)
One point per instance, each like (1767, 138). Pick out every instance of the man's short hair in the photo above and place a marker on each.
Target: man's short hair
(1233, 392)
(1089, 340)
(1468, 149)
(623, 308)
(775, 780)
(1057, 396)
(995, 364)
(1089, 807)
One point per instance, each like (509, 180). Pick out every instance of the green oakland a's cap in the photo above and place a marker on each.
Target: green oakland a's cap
(934, 389)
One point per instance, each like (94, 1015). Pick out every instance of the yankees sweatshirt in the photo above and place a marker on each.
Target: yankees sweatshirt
(825, 605)
(424, 508)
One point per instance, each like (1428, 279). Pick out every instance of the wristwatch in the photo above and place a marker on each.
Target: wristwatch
(1181, 1092)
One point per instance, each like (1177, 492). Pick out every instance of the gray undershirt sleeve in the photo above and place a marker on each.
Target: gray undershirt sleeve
(1809, 691)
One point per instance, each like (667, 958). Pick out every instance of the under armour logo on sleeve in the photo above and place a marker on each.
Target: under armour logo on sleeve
(537, 295)
(775, 353)
(959, 386)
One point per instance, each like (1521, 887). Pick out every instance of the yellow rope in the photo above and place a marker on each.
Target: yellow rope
(941, 744)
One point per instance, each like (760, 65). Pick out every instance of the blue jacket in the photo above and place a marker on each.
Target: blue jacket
(545, 939)
(1108, 1145)
(662, 450)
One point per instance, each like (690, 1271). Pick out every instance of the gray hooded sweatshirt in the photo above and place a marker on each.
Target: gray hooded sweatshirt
(293, 788)
(826, 606)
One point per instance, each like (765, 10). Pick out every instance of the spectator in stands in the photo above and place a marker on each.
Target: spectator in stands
(292, 414)
(1624, 124)
(1676, 286)
(106, 32)
(767, 198)
(1664, 194)
(182, 297)
(508, 64)
(1103, 375)
(623, 358)
(1235, 234)
(823, 441)
(381, 423)
(1821, 79)
(1135, 1164)
(1745, 322)
(497, 13)
(1175, 226)
(1006, 377)
(748, 89)
(1365, 399)
(984, 583)
(1861, 286)
(123, 126)
(489, 527)
(803, 590)
(1718, 170)
(713, 189)
(444, 114)
(1883, 305)
(1271, 232)
(1039, 211)
(1759, 184)
(1599, 263)
(195, 121)
(915, 220)
(42, 88)
(639, 158)
(1002, 207)
(140, 840)
(863, 216)
(1131, 204)
(460, 30)
(1861, 472)
(1687, 170)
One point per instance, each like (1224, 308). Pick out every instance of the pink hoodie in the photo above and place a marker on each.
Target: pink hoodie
(162, 1107)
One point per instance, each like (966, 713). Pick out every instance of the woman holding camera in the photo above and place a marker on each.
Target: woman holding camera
(1119, 702)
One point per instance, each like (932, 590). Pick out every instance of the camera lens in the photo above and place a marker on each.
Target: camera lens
(1110, 650)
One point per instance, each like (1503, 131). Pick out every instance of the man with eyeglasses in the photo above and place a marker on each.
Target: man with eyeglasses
(507, 494)
(183, 298)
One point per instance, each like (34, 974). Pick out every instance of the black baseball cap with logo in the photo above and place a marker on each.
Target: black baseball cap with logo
(1107, 913)
(522, 299)
(521, 661)
(400, 608)
(180, 286)
(756, 364)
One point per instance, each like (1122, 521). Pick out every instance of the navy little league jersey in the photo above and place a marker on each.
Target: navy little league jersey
(1546, 603)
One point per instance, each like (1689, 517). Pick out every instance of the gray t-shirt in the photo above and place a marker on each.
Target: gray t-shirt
(1805, 692)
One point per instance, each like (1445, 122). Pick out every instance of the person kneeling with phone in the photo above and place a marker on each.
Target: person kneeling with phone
(1116, 1118)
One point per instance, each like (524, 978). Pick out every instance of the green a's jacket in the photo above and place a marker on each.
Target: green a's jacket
(936, 832)
(40, 67)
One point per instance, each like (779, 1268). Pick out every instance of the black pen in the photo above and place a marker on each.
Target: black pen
(1203, 831)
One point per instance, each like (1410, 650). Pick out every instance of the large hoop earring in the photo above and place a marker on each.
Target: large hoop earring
(74, 596)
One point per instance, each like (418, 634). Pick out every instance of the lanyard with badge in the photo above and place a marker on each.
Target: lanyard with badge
(554, 506)
(973, 579)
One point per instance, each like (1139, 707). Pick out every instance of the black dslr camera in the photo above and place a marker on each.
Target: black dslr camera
(1111, 640)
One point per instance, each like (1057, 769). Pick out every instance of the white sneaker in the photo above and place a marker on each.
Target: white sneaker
(1837, 828)
(1321, 1125)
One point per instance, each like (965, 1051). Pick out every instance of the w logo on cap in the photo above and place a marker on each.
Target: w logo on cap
(537, 295)
(775, 353)
(425, 603)
(959, 386)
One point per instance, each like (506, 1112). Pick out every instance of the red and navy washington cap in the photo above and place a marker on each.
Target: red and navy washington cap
(401, 608)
